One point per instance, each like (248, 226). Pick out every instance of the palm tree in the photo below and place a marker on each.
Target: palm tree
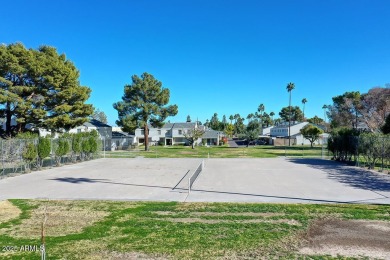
(250, 117)
(231, 118)
(324, 107)
(290, 87)
(272, 116)
(236, 116)
(304, 102)
(261, 109)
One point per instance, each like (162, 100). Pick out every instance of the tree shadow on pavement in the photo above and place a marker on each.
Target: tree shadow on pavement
(107, 181)
(349, 175)
(78, 180)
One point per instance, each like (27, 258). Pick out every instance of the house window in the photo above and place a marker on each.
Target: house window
(142, 132)
(159, 132)
(78, 130)
(180, 132)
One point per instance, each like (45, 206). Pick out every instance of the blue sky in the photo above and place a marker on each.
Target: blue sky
(223, 56)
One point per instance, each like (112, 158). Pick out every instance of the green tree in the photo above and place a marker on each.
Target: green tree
(207, 123)
(374, 107)
(93, 145)
(386, 127)
(42, 88)
(144, 102)
(250, 117)
(61, 149)
(311, 133)
(229, 130)
(344, 143)
(252, 131)
(353, 108)
(290, 87)
(99, 115)
(239, 127)
(304, 101)
(76, 146)
(65, 98)
(261, 109)
(345, 110)
(214, 122)
(231, 119)
(272, 117)
(16, 88)
(236, 117)
(192, 135)
(371, 148)
(267, 121)
(29, 155)
(293, 113)
(223, 123)
(44, 148)
(315, 120)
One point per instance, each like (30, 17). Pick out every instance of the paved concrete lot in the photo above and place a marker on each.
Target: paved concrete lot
(288, 180)
(111, 179)
(225, 180)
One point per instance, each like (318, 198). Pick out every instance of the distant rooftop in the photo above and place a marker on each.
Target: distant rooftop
(96, 123)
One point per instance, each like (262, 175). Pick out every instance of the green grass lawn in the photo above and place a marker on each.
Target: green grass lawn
(105, 230)
(220, 152)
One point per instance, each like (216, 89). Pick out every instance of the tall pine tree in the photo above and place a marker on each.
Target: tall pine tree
(41, 88)
(144, 102)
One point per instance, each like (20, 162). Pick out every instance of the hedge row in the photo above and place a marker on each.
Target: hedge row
(367, 148)
(31, 151)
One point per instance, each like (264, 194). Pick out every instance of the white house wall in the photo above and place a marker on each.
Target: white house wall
(283, 131)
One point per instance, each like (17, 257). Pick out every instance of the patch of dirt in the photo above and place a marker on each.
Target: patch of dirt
(97, 250)
(126, 256)
(8, 211)
(193, 206)
(62, 219)
(353, 238)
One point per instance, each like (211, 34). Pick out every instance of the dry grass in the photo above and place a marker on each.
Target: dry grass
(8, 211)
(63, 218)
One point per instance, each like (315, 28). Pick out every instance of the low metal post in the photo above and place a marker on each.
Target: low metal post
(383, 151)
(104, 147)
(51, 152)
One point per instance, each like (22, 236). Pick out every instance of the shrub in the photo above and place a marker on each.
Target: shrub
(44, 148)
(61, 150)
(93, 146)
(371, 148)
(29, 155)
(27, 135)
(343, 143)
(76, 146)
(85, 148)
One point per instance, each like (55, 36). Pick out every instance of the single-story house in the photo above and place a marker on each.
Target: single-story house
(281, 132)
